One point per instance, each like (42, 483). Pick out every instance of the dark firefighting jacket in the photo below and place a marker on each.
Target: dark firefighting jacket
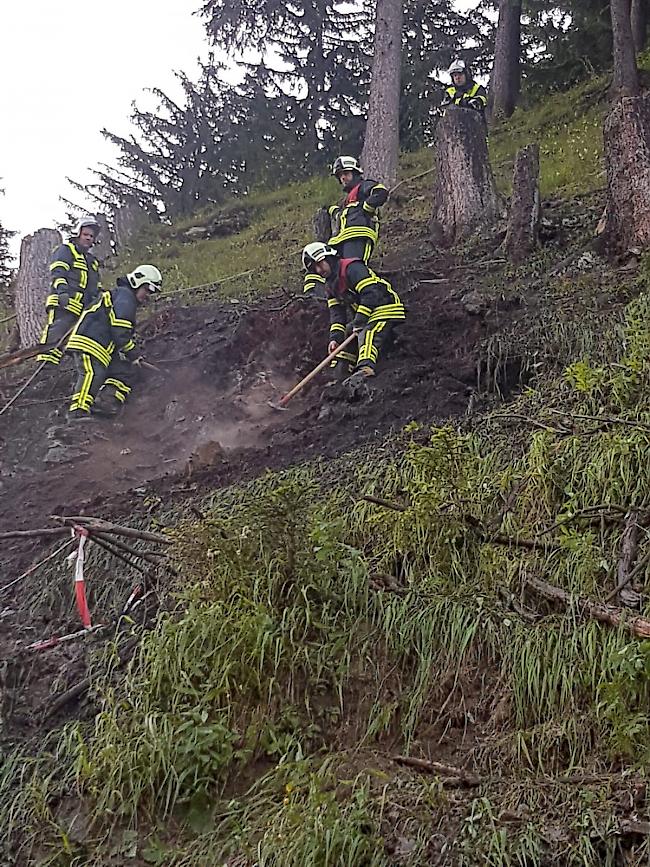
(473, 95)
(357, 216)
(357, 289)
(75, 279)
(108, 325)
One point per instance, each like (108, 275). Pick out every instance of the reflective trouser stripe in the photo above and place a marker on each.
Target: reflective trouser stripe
(369, 347)
(90, 380)
(122, 390)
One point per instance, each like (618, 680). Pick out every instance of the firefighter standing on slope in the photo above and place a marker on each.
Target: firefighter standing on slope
(356, 218)
(75, 284)
(464, 91)
(103, 343)
(358, 301)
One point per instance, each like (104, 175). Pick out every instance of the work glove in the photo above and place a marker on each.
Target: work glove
(475, 103)
(137, 362)
(331, 346)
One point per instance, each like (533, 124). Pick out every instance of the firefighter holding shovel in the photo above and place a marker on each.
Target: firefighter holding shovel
(359, 302)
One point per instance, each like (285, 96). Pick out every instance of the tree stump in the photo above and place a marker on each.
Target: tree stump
(523, 220)
(33, 283)
(128, 221)
(322, 225)
(465, 199)
(626, 137)
(103, 249)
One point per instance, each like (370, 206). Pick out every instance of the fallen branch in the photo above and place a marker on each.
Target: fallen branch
(455, 775)
(24, 534)
(638, 626)
(99, 524)
(604, 420)
(8, 318)
(408, 180)
(638, 569)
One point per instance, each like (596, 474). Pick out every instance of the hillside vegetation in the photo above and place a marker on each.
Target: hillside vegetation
(314, 642)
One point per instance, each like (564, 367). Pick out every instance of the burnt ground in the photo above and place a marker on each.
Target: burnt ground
(203, 422)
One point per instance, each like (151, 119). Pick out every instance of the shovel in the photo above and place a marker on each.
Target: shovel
(282, 403)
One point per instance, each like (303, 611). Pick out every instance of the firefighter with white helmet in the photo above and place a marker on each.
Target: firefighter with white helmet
(359, 302)
(103, 343)
(463, 91)
(354, 219)
(75, 283)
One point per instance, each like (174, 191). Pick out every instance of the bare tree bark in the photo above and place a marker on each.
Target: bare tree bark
(639, 21)
(33, 283)
(464, 195)
(626, 77)
(505, 80)
(381, 146)
(103, 249)
(626, 137)
(523, 220)
(322, 226)
(128, 221)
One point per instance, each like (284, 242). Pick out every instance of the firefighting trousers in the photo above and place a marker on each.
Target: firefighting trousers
(93, 376)
(371, 341)
(59, 322)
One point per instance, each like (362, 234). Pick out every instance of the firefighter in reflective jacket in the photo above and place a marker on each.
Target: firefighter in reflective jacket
(75, 284)
(358, 301)
(103, 343)
(464, 91)
(355, 219)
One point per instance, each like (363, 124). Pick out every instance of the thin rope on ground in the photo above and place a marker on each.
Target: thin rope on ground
(35, 374)
(37, 565)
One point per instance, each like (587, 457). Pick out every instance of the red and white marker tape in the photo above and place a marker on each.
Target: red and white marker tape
(79, 583)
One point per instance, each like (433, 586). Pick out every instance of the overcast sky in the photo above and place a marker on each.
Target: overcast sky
(67, 71)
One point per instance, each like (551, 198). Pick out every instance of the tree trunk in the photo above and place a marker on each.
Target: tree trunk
(103, 248)
(464, 195)
(639, 21)
(626, 77)
(381, 145)
(33, 283)
(128, 222)
(506, 71)
(322, 226)
(627, 159)
(523, 220)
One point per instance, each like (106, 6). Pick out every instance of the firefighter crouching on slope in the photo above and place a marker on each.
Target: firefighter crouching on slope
(355, 218)
(358, 301)
(464, 91)
(75, 284)
(103, 343)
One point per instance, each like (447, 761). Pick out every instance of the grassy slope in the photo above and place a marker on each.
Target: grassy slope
(281, 668)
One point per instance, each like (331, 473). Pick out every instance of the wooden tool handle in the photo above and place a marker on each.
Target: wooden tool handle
(287, 397)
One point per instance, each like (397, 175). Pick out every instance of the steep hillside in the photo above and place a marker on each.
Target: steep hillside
(385, 629)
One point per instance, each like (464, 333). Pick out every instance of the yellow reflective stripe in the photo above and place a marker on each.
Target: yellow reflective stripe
(59, 264)
(389, 311)
(367, 281)
(119, 323)
(83, 279)
(333, 302)
(85, 399)
(354, 232)
(379, 186)
(336, 326)
(52, 301)
(314, 278)
(128, 346)
(369, 208)
(363, 310)
(60, 281)
(91, 347)
(118, 383)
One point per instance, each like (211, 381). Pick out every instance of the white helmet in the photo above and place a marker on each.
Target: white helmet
(145, 274)
(457, 66)
(316, 252)
(346, 164)
(86, 222)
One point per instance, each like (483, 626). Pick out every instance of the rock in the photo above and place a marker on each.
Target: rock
(475, 303)
(59, 453)
(195, 233)
(586, 262)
